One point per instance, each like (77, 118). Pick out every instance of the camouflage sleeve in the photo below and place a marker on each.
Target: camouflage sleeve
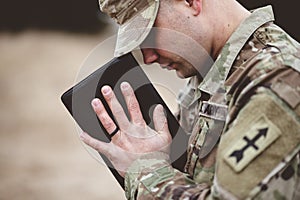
(258, 157)
(157, 179)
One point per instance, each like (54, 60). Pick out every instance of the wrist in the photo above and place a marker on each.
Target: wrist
(145, 165)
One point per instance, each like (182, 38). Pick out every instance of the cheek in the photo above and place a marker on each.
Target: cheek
(185, 71)
(168, 43)
(177, 47)
(163, 52)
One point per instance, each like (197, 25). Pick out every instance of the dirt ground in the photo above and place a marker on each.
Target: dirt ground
(41, 156)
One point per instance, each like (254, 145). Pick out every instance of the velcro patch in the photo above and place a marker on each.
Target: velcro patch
(264, 133)
(254, 141)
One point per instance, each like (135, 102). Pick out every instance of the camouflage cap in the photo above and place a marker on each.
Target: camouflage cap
(135, 17)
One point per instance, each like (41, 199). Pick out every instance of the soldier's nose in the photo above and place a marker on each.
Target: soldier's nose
(149, 55)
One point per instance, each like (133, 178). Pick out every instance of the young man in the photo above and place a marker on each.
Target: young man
(243, 111)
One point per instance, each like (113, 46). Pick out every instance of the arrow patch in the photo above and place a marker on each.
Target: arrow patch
(253, 142)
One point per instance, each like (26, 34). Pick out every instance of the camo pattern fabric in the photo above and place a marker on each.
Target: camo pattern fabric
(256, 80)
(124, 10)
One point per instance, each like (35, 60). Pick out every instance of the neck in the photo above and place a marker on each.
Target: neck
(228, 16)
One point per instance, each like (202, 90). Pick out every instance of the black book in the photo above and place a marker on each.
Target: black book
(125, 68)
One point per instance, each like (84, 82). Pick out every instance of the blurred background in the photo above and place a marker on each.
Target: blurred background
(42, 47)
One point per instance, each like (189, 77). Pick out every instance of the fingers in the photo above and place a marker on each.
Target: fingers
(103, 116)
(160, 120)
(132, 104)
(115, 107)
(99, 146)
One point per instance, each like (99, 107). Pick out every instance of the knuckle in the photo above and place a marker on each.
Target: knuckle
(106, 124)
(104, 118)
(139, 122)
(96, 145)
(97, 110)
(133, 105)
(92, 143)
(118, 111)
(109, 96)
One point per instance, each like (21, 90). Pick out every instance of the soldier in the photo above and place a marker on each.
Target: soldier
(243, 112)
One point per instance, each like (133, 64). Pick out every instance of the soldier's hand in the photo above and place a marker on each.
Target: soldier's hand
(134, 138)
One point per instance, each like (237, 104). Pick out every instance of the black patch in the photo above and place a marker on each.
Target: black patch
(194, 196)
(264, 187)
(135, 194)
(288, 173)
(165, 193)
(196, 150)
(178, 192)
(298, 170)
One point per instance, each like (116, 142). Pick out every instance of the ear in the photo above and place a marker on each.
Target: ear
(196, 5)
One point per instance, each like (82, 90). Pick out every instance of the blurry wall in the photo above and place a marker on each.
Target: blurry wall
(286, 13)
(84, 16)
(75, 16)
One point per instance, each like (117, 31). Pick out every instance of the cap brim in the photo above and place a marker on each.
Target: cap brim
(132, 33)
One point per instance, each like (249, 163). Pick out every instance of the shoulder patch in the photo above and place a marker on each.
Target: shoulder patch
(264, 133)
(254, 141)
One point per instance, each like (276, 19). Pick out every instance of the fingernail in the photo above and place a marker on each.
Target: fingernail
(105, 89)
(95, 102)
(124, 85)
(160, 108)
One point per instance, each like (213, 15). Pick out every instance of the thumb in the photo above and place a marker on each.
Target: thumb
(160, 120)
(99, 146)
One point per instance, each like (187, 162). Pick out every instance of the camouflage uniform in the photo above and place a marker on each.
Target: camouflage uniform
(245, 115)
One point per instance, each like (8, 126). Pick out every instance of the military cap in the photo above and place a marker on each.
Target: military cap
(135, 19)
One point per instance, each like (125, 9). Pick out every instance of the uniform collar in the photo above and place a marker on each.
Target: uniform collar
(218, 73)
